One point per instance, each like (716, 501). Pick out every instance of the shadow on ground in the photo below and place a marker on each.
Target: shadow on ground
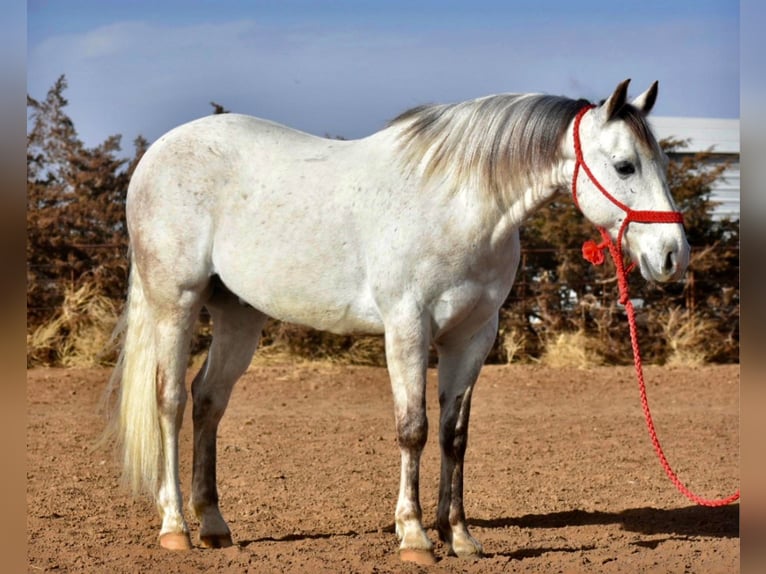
(719, 522)
(691, 521)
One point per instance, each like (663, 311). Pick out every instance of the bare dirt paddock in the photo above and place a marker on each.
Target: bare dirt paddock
(560, 477)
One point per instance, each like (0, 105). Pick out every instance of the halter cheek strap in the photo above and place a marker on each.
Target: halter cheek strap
(591, 251)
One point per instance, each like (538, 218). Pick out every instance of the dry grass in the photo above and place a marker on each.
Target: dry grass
(368, 350)
(79, 334)
(365, 350)
(567, 350)
(688, 337)
(513, 342)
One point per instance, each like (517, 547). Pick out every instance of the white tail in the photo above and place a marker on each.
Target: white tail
(135, 420)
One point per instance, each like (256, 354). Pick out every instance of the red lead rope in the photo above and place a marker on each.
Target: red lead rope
(593, 253)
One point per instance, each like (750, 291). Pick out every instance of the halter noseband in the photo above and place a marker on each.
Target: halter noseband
(591, 251)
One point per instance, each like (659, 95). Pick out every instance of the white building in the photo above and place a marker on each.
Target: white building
(721, 137)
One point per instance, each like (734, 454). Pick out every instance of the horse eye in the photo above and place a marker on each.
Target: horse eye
(625, 168)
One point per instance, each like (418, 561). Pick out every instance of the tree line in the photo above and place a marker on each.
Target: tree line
(76, 235)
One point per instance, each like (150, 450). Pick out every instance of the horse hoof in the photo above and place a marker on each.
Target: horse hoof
(422, 557)
(216, 541)
(176, 541)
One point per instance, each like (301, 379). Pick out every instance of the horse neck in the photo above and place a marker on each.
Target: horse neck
(497, 214)
(520, 205)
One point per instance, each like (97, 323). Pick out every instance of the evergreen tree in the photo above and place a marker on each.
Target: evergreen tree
(75, 207)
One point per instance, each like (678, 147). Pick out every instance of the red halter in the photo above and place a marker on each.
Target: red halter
(591, 251)
(594, 254)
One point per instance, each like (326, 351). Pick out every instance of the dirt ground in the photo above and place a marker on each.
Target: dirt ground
(560, 474)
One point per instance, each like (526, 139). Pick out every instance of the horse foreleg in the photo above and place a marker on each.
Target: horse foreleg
(236, 330)
(407, 357)
(460, 361)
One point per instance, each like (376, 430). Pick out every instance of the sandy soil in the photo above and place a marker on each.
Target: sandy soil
(560, 477)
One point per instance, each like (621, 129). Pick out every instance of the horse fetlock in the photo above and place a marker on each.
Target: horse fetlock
(173, 520)
(412, 536)
(213, 527)
(462, 544)
(415, 546)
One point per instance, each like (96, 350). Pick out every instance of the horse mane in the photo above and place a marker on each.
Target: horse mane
(500, 144)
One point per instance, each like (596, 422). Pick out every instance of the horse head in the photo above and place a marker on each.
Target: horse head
(619, 183)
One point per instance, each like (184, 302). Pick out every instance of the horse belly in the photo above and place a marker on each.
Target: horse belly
(300, 281)
(336, 314)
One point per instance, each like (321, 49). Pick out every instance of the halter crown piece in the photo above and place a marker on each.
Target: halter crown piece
(594, 253)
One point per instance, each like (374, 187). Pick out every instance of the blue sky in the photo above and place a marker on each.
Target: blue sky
(345, 67)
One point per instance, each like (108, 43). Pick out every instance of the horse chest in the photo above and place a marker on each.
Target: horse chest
(471, 304)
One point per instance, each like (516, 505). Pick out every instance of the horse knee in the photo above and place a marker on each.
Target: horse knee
(412, 430)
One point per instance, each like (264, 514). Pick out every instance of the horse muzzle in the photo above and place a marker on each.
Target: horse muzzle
(666, 264)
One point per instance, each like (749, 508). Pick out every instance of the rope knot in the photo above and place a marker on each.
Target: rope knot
(594, 252)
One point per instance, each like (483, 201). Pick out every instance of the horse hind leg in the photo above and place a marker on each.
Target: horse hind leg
(174, 330)
(236, 331)
(152, 395)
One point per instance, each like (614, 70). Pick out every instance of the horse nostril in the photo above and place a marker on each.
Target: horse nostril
(670, 263)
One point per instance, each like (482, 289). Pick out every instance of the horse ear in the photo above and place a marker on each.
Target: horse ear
(645, 102)
(613, 104)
